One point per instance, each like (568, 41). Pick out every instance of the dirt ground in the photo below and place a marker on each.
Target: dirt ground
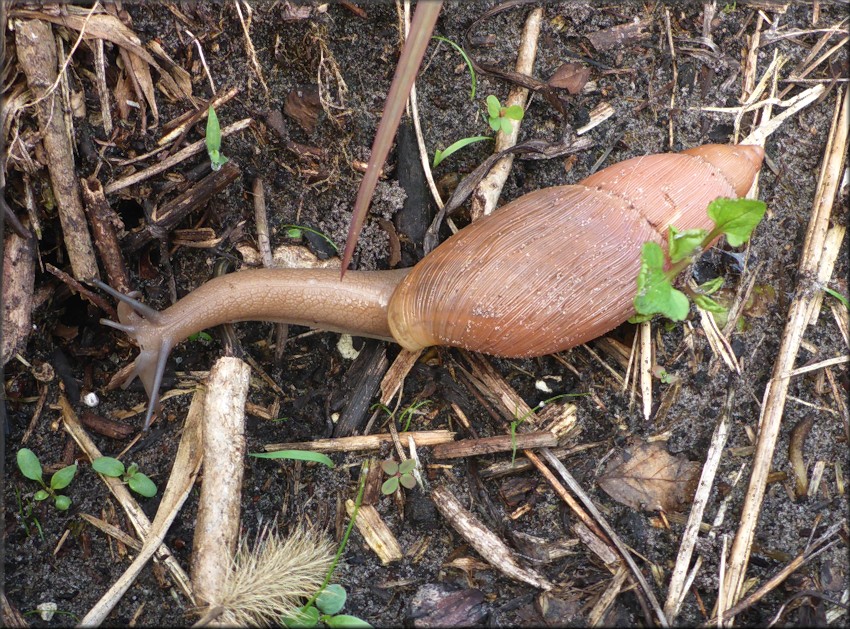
(306, 154)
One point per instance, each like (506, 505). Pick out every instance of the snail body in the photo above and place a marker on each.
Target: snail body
(547, 271)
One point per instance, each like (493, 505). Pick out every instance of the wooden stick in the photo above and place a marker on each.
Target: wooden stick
(219, 506)
(363, 442)
(489, 445)
(37, 56)
(104, 221)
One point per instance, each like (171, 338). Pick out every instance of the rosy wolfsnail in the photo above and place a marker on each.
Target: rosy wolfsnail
(548, 271)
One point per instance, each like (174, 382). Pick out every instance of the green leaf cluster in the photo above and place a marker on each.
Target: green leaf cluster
(399, 474)
(137, 481)
(213, 141)
(30, 467)
(734, 218)
(328, 604)
(501, 118)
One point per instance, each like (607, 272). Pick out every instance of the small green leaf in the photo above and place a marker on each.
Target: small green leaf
(838, 296)
(683, 244)
(407, 480)
(466, 60)
(132, 470)
(507, 125)
(142, 485)
(41, 494)
(202, 337)
(331, 599)
(736, 218)
(108, 466)
(494, 108)
(514, 112)
(439, 155)
(655, 293)
(707, 303)
(407, 466)
(390, 467)
(213, 139)
(306, 618)
(390, 486)
(294, 233)
(711, 286)
(295, 455)
(495, 124)
(344, 620)
(303, 228)
(63, 478)
(62, 503)
(28, 464)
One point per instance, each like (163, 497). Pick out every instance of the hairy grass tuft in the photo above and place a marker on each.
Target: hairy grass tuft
(273, 578)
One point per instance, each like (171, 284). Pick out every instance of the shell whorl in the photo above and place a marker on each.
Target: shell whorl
(561, 262)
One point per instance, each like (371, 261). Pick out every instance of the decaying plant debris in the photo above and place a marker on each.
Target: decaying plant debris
(698, 475)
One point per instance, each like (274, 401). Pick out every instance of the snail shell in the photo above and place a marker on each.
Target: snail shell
(557, 267)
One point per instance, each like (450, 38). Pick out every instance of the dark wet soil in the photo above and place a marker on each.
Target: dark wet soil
(355, 56)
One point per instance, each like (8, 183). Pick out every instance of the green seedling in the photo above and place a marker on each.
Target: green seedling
(734, 218)
(201, 337)
(466, 60)
(519, 420)
(325, 604)
(296, 231)
(501, 118)
(838, 296)
(406, 415)
(213, 141)
(25, 513)
(295, 455)
(30, 467)
(137, 481)
(398, 475)
(439, 155)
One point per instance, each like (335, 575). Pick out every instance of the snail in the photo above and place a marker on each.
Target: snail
(548, 271)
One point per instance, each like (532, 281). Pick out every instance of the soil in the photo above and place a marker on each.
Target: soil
(53, 556)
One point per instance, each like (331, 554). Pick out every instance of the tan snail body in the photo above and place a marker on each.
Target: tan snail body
(548, 271)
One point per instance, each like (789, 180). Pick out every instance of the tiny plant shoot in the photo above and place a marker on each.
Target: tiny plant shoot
(137, 481)
(213, 139)
(466, 60)
(439, 155)
(30, 467)
(734, 218)
(398, 474)
(501, 118)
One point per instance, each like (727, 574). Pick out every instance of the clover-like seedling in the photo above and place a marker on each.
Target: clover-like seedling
(137, 481)
(30, 467)
(734, 218)
(501, 118)
(398, 474)
(213, 141)
(328, 604)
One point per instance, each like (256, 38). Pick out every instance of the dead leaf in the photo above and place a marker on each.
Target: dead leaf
(570, 76)
(620, 35)
(647, 477)
(303, 105)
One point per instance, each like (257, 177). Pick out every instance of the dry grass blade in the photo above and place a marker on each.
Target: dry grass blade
(798, 317)
(269, 580)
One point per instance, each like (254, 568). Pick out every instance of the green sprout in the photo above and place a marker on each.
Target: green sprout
(398, 474)
(466, 60)
(295, 455)
(838, 296)
(325, 604)
(30, 467)
(406, 415)
(501, 118)
(201, 337)
(213, 140)
(296, 231)
(439, 155)
(137, 481)
(734, 218)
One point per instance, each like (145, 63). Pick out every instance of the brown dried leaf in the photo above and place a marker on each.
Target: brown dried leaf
(303, 105)
(570, 76)
(647, 477)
